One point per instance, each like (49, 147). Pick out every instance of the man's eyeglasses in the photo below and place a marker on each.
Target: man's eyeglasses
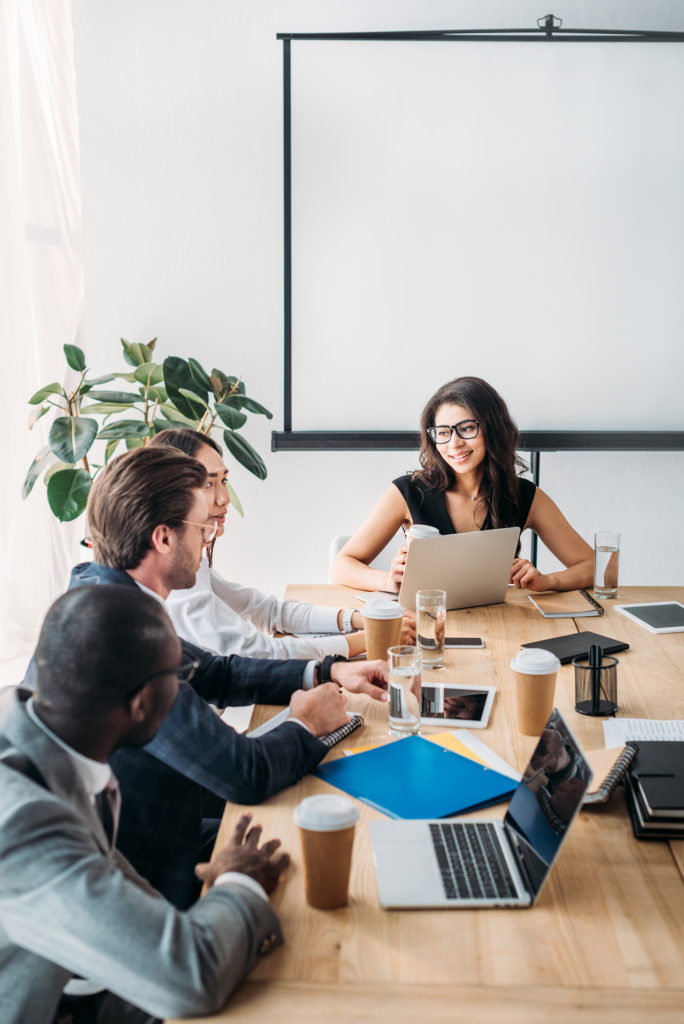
(466, 429)
(208, 532)
(184, 673)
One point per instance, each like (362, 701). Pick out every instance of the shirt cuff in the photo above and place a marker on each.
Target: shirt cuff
(237, 878)
(324, 620)
(308, 677)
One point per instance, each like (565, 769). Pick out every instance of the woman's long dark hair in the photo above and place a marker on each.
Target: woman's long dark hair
(189, 441)
(502, 465)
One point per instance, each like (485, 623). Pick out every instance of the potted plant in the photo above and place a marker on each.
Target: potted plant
(175, 393)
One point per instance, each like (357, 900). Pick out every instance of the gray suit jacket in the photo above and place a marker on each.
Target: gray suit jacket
(70, 905)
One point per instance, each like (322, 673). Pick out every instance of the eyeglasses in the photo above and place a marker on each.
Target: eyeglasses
(184, 673)
(208, 532)
(466, 429)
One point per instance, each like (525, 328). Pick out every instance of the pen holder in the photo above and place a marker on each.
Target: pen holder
(595, 688)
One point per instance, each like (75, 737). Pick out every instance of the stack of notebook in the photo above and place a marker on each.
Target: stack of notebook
(655, 790)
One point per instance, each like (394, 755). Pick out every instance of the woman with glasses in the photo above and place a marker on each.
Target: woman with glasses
(228, 618)
(469, 480)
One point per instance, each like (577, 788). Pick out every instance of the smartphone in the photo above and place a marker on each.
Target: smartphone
(464, 641)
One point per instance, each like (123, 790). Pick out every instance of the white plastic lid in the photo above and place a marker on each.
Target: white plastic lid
(326, 812)
(534, 661)
(383, 610)
(421, 530)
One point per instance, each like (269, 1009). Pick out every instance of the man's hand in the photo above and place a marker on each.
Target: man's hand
(371, 677)
(321, 710)
(526, 577)
(243, 854)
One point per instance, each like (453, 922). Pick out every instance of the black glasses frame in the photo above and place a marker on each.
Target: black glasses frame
(458, 427)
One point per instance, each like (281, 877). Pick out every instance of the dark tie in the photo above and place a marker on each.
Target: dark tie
(108, 803)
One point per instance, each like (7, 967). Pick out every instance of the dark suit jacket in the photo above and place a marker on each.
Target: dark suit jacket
(172, 784)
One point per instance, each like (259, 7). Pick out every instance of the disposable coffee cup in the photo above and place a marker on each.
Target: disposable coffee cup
(534, 674)
(382, 623)
(326, 830)
(419, 530)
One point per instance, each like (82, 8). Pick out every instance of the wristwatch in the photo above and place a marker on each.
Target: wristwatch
(347, 620)
(322, 668)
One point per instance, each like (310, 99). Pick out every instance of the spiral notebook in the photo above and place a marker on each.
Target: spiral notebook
(569, 604)
(609, 766)
(355, 722)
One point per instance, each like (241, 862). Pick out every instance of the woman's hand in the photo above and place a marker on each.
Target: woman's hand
(525, 576)
(396, 570)
(408, 629)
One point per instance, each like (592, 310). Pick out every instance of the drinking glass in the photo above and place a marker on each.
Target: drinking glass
(404, 690)
(606, 563)
(431, 626)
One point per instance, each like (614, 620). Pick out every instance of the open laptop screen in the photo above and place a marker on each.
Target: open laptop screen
(548, 798)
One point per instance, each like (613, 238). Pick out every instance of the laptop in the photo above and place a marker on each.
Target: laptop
(474, 568)
(487, 863)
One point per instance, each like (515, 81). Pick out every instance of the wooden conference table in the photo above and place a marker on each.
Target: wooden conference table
(604, 943)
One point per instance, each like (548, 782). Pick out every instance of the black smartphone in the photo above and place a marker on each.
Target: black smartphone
(464, 641)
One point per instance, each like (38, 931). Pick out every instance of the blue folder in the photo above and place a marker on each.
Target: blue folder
(413, 778)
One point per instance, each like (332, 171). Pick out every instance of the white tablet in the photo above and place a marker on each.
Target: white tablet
(453, 704)
(656, 616)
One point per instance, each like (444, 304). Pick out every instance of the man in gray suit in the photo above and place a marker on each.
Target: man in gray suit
(108, 664)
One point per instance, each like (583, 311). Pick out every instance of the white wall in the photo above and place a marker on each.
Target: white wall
(181, 156)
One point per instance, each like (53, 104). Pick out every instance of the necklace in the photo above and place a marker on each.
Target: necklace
(473, 497)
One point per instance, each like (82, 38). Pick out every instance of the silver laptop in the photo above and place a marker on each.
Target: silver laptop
(474, 568)
(466, 863)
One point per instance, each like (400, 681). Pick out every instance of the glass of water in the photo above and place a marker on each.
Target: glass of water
(431, 626)
(606, 563)
(404, 690)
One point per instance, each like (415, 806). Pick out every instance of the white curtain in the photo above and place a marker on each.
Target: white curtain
(41, 295)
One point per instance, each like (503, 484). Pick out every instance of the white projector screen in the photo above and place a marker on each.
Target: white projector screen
(509, 210)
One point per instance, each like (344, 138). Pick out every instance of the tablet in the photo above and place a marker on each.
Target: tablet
(453, 704)
(656, 616)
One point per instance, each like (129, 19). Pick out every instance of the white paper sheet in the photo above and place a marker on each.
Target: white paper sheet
(617, 731)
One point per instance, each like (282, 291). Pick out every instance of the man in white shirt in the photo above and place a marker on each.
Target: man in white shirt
(108, 665)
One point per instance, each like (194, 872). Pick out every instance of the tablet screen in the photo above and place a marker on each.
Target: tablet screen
(668, 615)
(454, 704)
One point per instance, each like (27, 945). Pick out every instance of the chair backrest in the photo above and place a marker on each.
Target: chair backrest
(381, 562)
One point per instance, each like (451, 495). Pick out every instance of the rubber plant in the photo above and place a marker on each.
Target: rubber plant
(175, 393)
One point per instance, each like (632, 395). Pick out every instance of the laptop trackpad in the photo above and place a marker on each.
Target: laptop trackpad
(407, 873)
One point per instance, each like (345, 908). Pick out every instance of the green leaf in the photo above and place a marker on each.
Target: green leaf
(36, 414)
(105, 408)
(49, 389)
(136, 354)
(71, 437)
(42, 459)
(57, 468)
(245, 454)
(251, 406)
(149, 373)
(124, 429)
(157, 394)
(192, 397)
(229, 383)
(200, 375)
(151, 344)
(176, 376)
(178, 417)
(105, 379)
(132, 443)
(75, 357)
(235, 501)
(119, 397)
(67, 493)
(110, 448)
(125, 376)
(231, 417)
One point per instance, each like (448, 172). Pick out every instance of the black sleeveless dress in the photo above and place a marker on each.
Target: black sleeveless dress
(428, 507)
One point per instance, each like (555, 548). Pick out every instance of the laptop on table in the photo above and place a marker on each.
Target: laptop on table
(488, 863)
(474, 568)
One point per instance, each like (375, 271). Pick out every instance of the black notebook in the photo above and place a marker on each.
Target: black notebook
(576, 645)
(658, 773)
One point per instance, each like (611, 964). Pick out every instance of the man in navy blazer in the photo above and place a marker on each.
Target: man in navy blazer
(149, 520)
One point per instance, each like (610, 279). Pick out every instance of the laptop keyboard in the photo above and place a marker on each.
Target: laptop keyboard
(470, 861)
